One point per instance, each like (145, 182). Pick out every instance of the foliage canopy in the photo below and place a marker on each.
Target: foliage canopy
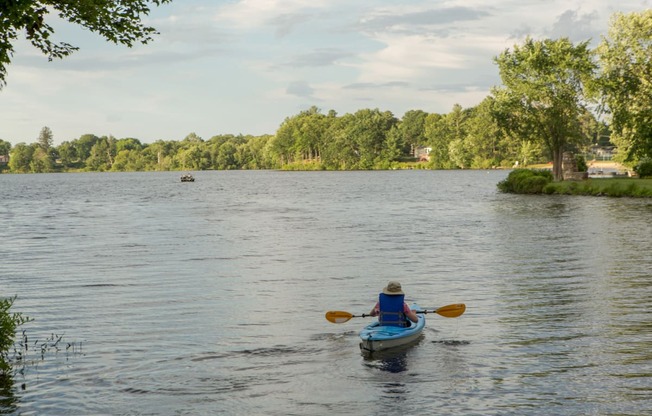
(543, 95)
(118, 21)
(626, 82)
(9, 322)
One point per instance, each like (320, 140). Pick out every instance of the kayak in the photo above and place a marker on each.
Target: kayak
(376, 337)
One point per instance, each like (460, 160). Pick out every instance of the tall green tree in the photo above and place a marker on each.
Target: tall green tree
(102, 155)
(21, 158)
(626, 83)
(46, 142)
(192, 138)
(339, 151)
(41, 162)
(368, 133)
(83, 146)
(457, 127)
(128, 160)
(226, 158)
(283, 144)
(118, 21)
(411, 130)
(5, 148)
(544, 92)
(446, 133)
(309, 136)
(128, 144)
(252, 154)
(437, 136)
(159, 156)
(484, 136)
(46, 138)
(67, 154)
(300, 137)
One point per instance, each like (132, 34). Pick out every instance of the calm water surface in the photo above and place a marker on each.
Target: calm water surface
(209, 297)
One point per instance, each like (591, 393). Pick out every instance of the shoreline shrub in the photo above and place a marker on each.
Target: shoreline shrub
(644, 168)
(9, 322)
(526, 181)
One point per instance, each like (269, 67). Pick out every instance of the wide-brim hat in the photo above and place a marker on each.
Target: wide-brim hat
(393, 288)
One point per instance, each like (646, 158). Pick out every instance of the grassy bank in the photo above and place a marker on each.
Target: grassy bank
(616, 187)
(525, 181)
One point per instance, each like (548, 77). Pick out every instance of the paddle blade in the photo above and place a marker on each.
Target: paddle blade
(451, 311)
(338, 317)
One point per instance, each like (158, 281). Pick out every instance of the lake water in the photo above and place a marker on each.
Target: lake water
(209, 297)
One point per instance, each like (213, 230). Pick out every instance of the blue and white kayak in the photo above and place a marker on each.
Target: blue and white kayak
(376, 337)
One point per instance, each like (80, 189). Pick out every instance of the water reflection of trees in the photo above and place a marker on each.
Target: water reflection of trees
(394, 360)
(8, 401)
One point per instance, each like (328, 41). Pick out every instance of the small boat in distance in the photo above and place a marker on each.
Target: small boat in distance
(187, 178)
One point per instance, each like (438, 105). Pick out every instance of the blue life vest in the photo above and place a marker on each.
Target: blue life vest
(391, 310)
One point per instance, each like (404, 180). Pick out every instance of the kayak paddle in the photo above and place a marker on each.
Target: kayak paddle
(449, 311)
(339, 317)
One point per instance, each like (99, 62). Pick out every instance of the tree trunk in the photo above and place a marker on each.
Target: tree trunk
(556, 164)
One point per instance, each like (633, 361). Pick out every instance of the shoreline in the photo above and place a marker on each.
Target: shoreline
(591, 164)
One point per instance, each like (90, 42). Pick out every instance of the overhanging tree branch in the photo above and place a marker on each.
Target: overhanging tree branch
(118, 21)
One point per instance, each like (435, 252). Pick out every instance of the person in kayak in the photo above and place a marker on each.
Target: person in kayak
(391, 308)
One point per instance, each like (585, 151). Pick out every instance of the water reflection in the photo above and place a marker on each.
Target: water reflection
(394, 360)
(8, 402)
(393, 363)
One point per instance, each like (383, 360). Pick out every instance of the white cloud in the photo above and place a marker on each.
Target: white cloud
(256, 13)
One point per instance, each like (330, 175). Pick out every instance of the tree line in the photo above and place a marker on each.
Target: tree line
(555, 96)
(366, 139)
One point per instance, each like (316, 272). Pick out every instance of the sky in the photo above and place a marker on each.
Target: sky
(244, 66)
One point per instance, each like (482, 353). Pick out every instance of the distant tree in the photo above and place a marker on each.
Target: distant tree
(45, 142)
(484, 138)
(252, 153)
(626, 83)
(300, 137)
(459, 154)
(226, 158)
(446, 133)
(84, 144)
(368, 133)
(543, 95)
(339, 150)
(67, 154)
(192, 157)
(128, 161)
(100, 159)
(45, 138)
(5, 147)
(589, 126)
(41, 162)
(192, 138)
(128, 144)
(21, 158)
(311, 125)
(118, 21)
(411, 129)
(394, 146)
(283, 144)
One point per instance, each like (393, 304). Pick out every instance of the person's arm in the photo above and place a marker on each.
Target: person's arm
(376, 310)
(412, 316)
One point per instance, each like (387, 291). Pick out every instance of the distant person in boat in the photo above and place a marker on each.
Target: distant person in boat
(391, 308)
